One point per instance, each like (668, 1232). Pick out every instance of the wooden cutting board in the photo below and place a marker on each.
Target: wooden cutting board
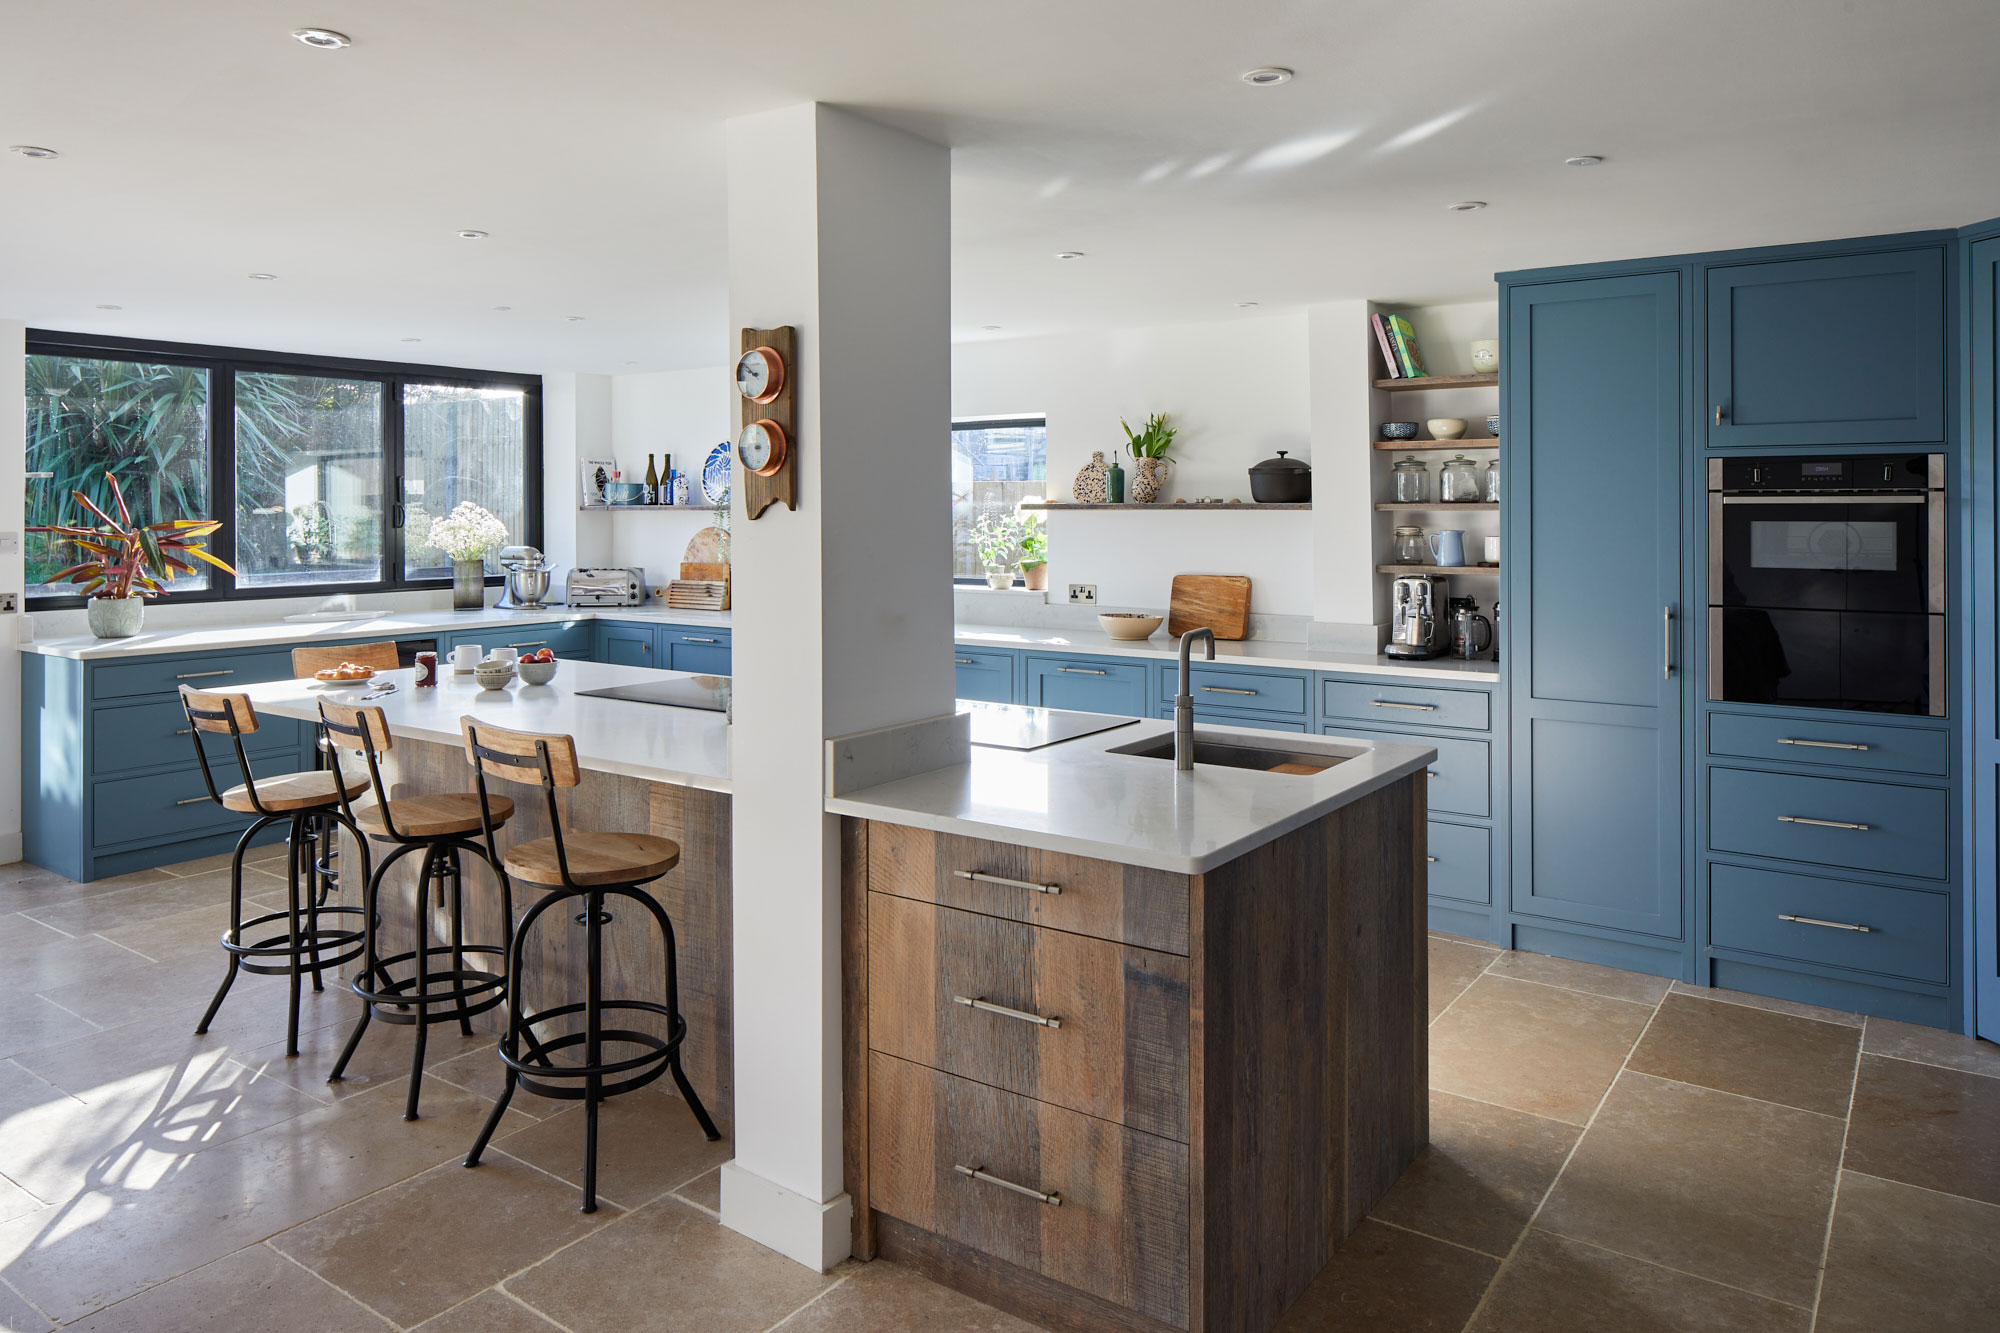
(1219, 601)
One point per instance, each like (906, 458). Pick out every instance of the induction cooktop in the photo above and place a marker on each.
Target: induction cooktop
(710, 694)
(1014, 727)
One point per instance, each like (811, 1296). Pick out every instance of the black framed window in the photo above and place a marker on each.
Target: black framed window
(996, 463)
(327, 471)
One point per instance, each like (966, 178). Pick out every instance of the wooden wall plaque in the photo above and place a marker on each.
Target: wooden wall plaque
(760, 493)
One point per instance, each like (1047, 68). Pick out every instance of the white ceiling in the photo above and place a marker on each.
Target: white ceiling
(201, 143)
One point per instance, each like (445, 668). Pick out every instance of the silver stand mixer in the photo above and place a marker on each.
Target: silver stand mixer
(526, 579)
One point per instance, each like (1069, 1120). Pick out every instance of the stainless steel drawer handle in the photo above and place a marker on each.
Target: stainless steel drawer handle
(986, 1006)
(962, 661)
(192, 800)
(199, 675)
(1821, 745)
(1431, 859)
(1432, 773)
(1390, 703)
(531, 643)
(1821, 823)
(1830, 925)
(695, 638)
(1050, 1197)
(1224, 689)
(981, 877)
(1084, 671)
(185, 731)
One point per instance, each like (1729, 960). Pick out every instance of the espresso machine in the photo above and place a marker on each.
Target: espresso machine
(1418, 627)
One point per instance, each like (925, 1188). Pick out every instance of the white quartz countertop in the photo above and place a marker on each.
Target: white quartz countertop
(682, 746)
(1080, 798)
(1245, 652)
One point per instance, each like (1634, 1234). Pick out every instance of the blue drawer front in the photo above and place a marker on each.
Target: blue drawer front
(1225, 718)
(1461, 862)
(148, 735)
(212, 671)
(165, 805)
(571, 640)
(1223, 687)
(985, 676)
(1089, 685)
(1755, 814)
(702, 650)
(1839, 743)
(1908, 935)
(1461, 779)
(1406, 705)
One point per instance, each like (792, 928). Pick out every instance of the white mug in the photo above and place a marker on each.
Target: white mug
(1492, 550)
(465, 656)
(504, 655)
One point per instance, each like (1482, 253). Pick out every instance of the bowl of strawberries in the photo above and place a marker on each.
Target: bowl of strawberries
(537, 668)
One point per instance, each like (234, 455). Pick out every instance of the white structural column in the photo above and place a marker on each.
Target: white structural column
(13, 506)
(842, 615)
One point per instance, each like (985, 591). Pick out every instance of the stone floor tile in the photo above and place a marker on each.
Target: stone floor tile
(1483, 1175)
(17, 1316)
(1925, 1125)
(1754, 1052)
(667, 1268)
(1903, 1257)
(646, 1145)
(35, 957)
(1555, 1285)
(193, 936)
(491, 1311)
(1386, 1280)
(382, 1057)
(250, 1291)
(882, 1297)
(1472, 940)
(1533, 1048)
(135, 905)
(1931, 1046)
(1589, 978)
(1770, 1002)
(1707, 1182)
(29, 888)
(1453, 967)
(703, 1191)
(142, 991)
(418, 1248)
(480, 1072)
(35, 1021)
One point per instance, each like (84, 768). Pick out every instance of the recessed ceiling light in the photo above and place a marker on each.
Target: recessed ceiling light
(503, 307)
(322, 39)
(264, 277)
(989, 328)
(413, 340)
(1267, 76)
(1246, 305)
(1585, 161)
(30, 150)
(472, 236)
(631, 363)
(1467, 206)
(1069, 254)
(573, 319)
(111, 307)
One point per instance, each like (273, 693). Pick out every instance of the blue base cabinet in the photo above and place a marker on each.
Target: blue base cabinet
(699, 649)
(1089, 684)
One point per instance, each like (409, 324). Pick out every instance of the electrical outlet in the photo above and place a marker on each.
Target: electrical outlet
(1082, 594)
(9, 602)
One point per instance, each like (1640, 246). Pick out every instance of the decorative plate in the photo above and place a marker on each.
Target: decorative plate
(715, 474)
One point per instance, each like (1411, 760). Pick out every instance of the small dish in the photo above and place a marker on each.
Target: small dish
(1128, 624)
(1446, 428)
(536, 673)
(1399, 430)
(493, 675)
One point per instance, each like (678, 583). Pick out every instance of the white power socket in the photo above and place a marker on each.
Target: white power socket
(9, 602)
(1082, 594)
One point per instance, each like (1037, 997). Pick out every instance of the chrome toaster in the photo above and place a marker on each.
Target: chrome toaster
(605, 587)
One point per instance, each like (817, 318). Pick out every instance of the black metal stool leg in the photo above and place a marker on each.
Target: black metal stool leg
(370, 921)
(235, 922)
(315, 888)
(431, 870)
(292, 973)
(452, 867)
(510, 1038)
(593, 1037)
(677, 1022)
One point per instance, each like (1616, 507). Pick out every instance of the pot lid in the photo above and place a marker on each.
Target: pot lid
(1282, 464)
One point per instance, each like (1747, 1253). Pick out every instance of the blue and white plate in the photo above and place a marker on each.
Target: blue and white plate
(715, 474)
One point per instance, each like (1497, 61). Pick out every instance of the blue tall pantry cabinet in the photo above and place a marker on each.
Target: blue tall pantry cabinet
(1982, 423)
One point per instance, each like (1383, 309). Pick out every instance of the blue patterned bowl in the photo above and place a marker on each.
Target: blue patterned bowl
(1399, 430)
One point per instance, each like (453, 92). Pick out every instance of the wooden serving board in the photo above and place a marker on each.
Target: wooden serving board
(1220, 602)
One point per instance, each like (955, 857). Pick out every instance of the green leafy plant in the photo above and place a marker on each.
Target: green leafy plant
(996, 537)
(311, 528)
(131, 559)
(1034, 542)
(1153, 441)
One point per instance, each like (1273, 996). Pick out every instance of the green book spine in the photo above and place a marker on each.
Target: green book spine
(1406, 347)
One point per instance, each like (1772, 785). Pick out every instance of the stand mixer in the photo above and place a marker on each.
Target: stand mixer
(526, 579)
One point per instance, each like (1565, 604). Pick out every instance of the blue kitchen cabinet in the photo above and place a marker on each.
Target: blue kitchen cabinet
(1269, 698)
(566, 639)
(1839, 349)
(1090, 685)
(983, 674)
(1982, 816)
(1594, 395)
(624, 644)
(699, 649)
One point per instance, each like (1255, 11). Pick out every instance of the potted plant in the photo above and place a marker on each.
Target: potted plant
(129, 561)
(996, 537)
(310, 532)
(1149, 447)
(466, 534)
(1034, 561)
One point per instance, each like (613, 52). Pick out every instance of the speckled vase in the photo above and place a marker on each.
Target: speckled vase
(115, 617)
(1148, 481)
(1090, 486)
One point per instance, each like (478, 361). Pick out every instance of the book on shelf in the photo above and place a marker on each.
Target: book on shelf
(1393, 371)
(1404, 339)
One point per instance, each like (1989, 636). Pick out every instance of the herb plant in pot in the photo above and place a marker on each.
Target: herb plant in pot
(1148, 448)
(466, 534)
(997, 538)
(129, 562)
(1034, 561)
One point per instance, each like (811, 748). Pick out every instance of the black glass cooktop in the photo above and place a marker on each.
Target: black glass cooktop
(707, 693)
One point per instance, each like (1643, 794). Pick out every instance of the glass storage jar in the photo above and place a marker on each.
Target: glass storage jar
(1457, 481)
(1493, 481)
(1410, 548)
(1413, 481)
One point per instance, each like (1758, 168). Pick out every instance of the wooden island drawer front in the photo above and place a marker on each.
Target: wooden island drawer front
(1120, 1228)
(1148, 908)
(1089, 1024)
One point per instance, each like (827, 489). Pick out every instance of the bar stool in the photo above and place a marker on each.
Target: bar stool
(382, 656)
(302, 798)
(593, 867)
(441, 827)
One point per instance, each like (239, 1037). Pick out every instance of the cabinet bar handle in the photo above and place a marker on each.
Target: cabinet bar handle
(1830, 925)
(1051, 1198)
(962, 661)
(531, 643)
(1431, 859)
(1224, 689)
(981, 877)
(1390, 703)
(1667, 642)
(1431, 773)
(1822, 745)
(986, 1006)
(696, 638)
(197, 675)
(1718, 414)
(185, 731)
(1821, 823)
(1084, 671)
(192, 800)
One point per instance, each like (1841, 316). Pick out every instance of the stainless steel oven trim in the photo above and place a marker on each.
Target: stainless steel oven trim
(1937, 666)
(1715, 654)
(1935, 561)
(1715, 547)
(1844, 498)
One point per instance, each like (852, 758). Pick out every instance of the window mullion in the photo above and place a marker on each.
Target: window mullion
(395, 504)
(222, 474)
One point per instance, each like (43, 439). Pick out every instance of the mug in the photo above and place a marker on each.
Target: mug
(504, 655)
(1492, 550)
(1486, 356)
(1447, 546)
(465, 656)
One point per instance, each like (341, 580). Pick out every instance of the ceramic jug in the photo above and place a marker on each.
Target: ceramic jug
(1448, 546)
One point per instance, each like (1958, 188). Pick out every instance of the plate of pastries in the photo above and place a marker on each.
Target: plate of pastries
(344, 673)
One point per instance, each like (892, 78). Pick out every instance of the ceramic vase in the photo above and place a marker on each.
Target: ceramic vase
(1036, 577)
(115, 617)
(1149, 480)
(1089, 488)
(468, 585)
(1486, 356)
(999, 579)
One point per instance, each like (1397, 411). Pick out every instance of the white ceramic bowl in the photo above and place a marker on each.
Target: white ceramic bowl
(493, 675)
(1128, 624)
(537, 673)
(1446, 428)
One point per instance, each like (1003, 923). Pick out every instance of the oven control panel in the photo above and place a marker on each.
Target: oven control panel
(1878, 472)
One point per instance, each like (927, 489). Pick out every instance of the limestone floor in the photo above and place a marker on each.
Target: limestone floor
(1608, 1153)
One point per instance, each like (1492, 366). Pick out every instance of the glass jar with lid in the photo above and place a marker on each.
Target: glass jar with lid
(1412, 481)
(1493, 482)
(1458, 482)
(1409, 547)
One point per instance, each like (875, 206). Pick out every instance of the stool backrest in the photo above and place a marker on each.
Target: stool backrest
(520, 756)
(228, 715)
(381, 656)
(365, 730)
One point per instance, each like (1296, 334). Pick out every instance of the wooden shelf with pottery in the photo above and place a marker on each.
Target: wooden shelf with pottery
(1493, 570)
(1482, 442)
(1441, 507)
(649, 509)
(1440, 382)
(1162, 506)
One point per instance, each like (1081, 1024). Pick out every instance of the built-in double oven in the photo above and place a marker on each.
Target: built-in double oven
(1827, 582)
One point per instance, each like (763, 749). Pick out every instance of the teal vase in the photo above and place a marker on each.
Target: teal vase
(1114, 485)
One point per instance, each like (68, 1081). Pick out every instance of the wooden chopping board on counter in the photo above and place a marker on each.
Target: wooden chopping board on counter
(1219, 601)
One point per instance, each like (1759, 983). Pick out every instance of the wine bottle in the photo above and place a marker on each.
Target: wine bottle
(666, 479)
(652, 482)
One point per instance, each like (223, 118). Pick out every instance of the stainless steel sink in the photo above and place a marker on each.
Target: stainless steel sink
(1218, 752)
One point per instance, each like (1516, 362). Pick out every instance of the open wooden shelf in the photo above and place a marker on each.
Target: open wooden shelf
(1490, 570)
(1441, 507)
(1166, 506)
(1397, 446)
(649, 509)
(1440, 382)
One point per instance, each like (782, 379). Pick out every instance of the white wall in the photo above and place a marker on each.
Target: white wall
(685, 413)
(1238, 389)
(13, 509)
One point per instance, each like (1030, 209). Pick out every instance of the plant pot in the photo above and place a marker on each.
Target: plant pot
(115, 617)
(468, 585)
(1000, 580)
(1036, 577)
(1149, 480)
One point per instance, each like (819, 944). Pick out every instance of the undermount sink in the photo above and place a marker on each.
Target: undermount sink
(1216, 752)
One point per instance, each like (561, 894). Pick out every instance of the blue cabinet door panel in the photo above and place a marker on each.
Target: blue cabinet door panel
(1838, 743)
(1598, 813)
(1840, 822)
(1847, 349)
(161, 806)
(1460, 862)
(571, 640)
(126, 737)
(626, 645)
(984, 676)
(1383, 704)
(1224, 687)
(706, 651)
(1224, 717)
(211, 671)
(1904, 932)
(1460, 778)
(1090, 685)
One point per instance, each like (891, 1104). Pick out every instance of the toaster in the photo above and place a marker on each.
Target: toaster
(605, 587)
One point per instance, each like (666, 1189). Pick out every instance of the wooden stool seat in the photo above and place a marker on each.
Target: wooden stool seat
(433, 816)
(594, 858)
(291, 791)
